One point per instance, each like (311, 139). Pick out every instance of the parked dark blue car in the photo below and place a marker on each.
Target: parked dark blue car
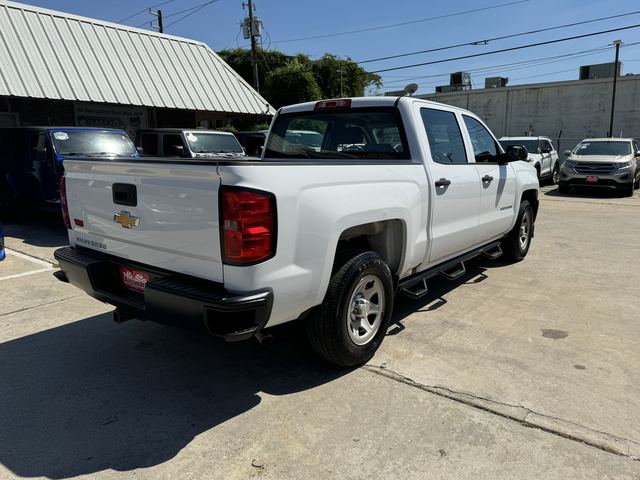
(2, 254)
(31, 161)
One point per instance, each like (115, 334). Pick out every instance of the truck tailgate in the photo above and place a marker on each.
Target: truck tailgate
(159, 213)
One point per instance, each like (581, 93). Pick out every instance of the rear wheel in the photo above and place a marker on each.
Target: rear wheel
(353, 319)
(516, 245)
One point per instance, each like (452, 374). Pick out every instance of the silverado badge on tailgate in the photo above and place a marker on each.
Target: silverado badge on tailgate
(126, 219)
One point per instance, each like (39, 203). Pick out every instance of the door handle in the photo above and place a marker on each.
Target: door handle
(443, 182)
(487, 179)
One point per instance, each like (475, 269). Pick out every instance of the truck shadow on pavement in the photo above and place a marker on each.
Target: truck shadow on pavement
(438, 287)
(90, 395)
(42, 231)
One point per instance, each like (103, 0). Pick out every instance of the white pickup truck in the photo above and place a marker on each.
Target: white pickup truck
(397, 191)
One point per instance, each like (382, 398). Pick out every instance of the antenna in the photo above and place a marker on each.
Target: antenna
(410, 89)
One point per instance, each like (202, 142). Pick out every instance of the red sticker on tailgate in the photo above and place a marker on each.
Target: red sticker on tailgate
(133, 279)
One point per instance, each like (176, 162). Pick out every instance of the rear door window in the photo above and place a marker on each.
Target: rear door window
(172, 145)
(443, 133)
(359, 134)
(149, 144)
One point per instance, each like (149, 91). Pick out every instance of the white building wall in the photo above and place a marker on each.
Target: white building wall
(578, 108)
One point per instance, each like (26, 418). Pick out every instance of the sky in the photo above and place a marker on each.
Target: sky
(288, 24)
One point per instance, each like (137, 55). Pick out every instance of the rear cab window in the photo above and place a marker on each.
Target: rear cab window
(371, 133)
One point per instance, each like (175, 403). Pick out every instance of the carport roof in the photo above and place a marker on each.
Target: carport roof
(55, 55)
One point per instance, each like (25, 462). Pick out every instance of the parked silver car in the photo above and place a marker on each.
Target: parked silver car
(602, 162)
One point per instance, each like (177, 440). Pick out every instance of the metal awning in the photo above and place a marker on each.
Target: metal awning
(55, 55)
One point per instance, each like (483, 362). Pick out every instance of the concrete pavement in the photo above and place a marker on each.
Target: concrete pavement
(483, 379)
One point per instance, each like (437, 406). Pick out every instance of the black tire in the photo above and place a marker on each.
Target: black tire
(555, 175)
(636, 184)
(512, 246)
(628, 190)
(563, 188)
(327, 327)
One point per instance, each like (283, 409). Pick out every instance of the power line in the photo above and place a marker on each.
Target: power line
(512, 65)
(193, 9)
(503, 37)
(381, 27)
(144, 10)
(511, 49)
(197, 9)
(492, 68)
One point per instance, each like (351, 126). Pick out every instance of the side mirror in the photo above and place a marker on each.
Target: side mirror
(545, 150)
(179, 150)
(140, 150)
(567, 153)
(516, 153)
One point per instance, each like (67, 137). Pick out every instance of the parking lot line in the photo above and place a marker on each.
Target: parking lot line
(24, 274)
(29, 258)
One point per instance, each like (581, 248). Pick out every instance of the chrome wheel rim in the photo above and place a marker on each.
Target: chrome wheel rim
(525, 230)
(556, 175)
(366, 307)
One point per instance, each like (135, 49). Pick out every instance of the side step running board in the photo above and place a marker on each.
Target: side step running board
(416, 290)
(415, 286)
(494, 252)
(451, 274)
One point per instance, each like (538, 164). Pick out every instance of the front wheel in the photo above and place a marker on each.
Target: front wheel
(555, 177)
(628, 190)
(353, 319)
(516, 245)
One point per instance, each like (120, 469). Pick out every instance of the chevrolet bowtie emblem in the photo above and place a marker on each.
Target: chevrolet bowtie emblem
(126, 219)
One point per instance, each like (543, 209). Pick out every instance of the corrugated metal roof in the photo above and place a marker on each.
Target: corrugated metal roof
(49, 54)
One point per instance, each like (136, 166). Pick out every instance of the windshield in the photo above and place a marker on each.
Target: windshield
(201, 142)
(87, 142)
(530, 145)
(359, 133)
(603, 148)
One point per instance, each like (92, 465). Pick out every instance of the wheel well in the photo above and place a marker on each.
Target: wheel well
(532, 197)
(386, 238)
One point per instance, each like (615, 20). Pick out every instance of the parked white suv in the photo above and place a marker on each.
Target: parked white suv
(318, 231)
(542, 155)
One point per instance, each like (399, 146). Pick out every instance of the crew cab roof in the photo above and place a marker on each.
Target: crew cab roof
(181, 130)
(604, 139)
(363, 102)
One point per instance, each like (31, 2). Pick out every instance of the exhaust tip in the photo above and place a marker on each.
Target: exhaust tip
(121, 316)
(264, 337)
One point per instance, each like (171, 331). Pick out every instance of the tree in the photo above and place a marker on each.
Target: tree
(319, 78)
(240, 60)
(329, 69)
(292, 83)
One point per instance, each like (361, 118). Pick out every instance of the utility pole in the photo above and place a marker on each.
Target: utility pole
(254, 49)
(157, 14)
(617, 43)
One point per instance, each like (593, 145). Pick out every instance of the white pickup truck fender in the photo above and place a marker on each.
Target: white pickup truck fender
(316, 203)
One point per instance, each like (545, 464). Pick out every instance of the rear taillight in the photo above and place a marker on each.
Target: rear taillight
(248, 226)
(63, 202)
